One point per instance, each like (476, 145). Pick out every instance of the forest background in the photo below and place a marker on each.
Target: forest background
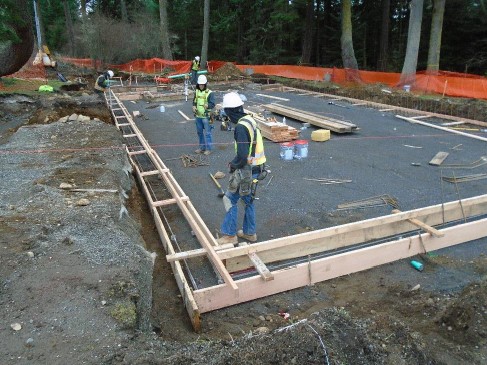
(375, 35)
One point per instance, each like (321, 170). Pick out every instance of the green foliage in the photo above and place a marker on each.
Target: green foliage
(10, 14)
(125, 313)
(259, 31)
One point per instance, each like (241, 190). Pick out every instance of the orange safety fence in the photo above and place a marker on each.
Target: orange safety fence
(443, 82)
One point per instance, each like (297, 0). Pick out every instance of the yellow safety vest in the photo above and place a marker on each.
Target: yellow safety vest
(201, 98)
(258, 156)
(195, 66)
(98, 87)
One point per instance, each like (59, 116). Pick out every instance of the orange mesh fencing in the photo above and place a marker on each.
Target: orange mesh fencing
(442, 82)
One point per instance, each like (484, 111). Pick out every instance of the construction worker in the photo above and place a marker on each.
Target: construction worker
(195, 66)
(103, 81)
(203, 103)
(246, 168)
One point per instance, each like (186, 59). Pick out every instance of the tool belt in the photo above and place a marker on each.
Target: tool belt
(241, 179)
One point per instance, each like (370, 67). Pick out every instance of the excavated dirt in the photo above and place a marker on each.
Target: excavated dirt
(80, 285)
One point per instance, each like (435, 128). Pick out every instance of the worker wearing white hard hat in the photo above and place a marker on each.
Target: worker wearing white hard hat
(102, 82)
(203, 104)
(195, 66)
(247, 169)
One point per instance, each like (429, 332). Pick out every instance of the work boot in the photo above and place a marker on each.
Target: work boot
(199, 150)
(227, 239)
(247, 237)
(206, 153)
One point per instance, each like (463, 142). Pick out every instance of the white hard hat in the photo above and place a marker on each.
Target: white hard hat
(110, 73)
(232, 100)
(202, 80)
(197, 58)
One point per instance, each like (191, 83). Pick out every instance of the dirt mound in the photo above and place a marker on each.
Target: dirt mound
(227, 71)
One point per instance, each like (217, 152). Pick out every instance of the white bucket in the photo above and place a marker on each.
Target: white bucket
(287, 151)
(162, 109)
(300, 149)
(407, 88)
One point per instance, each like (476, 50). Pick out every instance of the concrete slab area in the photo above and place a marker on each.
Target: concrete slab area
(385, 156)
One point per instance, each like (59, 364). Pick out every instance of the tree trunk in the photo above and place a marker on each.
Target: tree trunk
(83, 8)
(166, 46)
(206, 34)
(14, 56)
(435, 37)
(308, 33)
(384, 36)
(123, 11)
(69, 27)
(348, 54)
(408, 74)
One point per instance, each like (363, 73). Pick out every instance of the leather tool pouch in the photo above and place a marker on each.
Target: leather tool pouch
(234, 181)
(246, 180)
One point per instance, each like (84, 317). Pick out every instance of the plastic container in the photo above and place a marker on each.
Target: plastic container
(287, 151)
(300, 149)
(162, 109)
(417, 265)
(407, 88)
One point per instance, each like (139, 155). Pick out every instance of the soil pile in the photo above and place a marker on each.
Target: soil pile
(227, 72)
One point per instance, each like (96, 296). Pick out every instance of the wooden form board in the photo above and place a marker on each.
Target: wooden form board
(200, 230)
(327, 239)
(315, 271)
(387, 107)
(334, 125)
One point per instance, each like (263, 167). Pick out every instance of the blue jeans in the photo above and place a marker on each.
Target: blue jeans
(204, 128)
(229, 225)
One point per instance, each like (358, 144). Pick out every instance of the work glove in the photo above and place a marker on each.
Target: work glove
(206, 106)
(194, 109)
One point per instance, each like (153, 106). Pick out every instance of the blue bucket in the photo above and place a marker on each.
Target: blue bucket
(287, 151)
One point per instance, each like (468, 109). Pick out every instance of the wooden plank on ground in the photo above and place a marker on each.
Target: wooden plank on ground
(334, 125)
(439, 158)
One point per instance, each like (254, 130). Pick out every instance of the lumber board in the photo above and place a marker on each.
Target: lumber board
(344, 235)
(317, 120)
(407, 110)
(439, 158)
(315, 271)
(442, 128)
(259, 266)
(425, 227)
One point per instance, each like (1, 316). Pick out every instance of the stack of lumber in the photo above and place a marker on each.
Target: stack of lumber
(335, 125)
(275, 131)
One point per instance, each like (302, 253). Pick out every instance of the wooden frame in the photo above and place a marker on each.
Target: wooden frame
(312, 256)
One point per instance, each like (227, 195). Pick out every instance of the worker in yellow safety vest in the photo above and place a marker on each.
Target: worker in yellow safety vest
(203, 104)
(247, 168)
(103, 81)
(195, 66)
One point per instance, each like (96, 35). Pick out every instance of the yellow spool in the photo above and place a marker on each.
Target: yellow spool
(320, 135)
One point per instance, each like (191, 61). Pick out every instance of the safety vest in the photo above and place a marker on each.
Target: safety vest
(201, 98)
(195, 66)
(98, 87)
(256, 155)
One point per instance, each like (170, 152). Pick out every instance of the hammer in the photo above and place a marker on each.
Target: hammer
(222, 193)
